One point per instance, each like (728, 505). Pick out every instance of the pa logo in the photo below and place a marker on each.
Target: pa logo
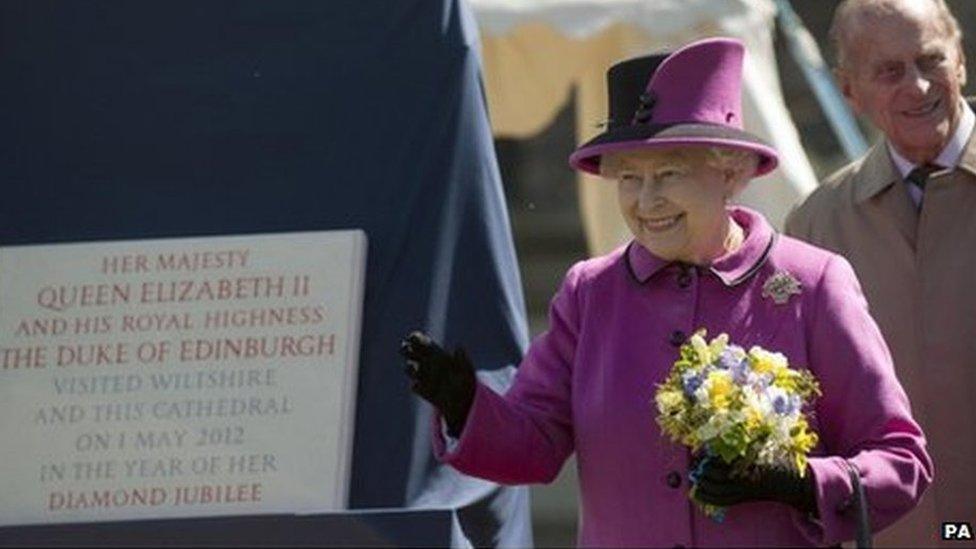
(957, 531)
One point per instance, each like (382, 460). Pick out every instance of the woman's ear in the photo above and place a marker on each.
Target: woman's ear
(732, 180)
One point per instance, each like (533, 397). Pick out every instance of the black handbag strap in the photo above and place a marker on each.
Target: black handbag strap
(860, 504)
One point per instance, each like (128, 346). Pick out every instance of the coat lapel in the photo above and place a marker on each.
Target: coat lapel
(880, 184)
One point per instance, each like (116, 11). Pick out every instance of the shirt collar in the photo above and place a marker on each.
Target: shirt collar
(878, 169)
(732, 268)
(951, 153)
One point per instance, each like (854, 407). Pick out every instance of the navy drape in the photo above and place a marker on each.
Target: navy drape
(166, 118)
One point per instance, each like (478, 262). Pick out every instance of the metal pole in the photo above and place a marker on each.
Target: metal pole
(805, 52)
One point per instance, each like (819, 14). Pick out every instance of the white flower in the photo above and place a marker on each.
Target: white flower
(718, 345)
(716, 426)
(756, 401)
(701, 348)
(701, 395)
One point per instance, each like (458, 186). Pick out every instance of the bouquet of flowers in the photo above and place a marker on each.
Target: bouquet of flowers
(745, 408)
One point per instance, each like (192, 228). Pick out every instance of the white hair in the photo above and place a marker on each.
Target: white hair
(850, 13)
(741, 163)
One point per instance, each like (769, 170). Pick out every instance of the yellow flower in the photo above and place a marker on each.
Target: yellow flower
(669, 401)
(720, 388)
(800, 460)
(753, 418)
(803, 439)
(764, 361)
(785, 378)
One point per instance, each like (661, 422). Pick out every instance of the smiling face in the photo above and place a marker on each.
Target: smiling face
(673, 201)
(905, 74)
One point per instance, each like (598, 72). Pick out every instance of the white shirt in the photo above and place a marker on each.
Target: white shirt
(948, 158)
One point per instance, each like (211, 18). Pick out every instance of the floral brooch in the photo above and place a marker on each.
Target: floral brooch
(780, 287)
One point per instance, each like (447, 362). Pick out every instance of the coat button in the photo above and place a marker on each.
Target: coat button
(678, 338)
(673, 479)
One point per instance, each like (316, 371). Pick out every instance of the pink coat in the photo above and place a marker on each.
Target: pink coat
(587, 385)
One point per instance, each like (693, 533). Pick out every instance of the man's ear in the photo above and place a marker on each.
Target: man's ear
(961, 66)
(845, 83)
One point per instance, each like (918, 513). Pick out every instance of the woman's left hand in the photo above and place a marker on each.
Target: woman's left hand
(718, 486)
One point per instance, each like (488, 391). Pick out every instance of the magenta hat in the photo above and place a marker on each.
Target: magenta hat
(691, 97)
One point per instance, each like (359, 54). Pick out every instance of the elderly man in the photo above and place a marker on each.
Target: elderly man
(905, 217)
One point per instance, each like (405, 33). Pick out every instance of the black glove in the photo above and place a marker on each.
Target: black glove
(446, 381)
(718, 485)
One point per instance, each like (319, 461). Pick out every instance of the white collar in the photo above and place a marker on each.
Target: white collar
(951, 153)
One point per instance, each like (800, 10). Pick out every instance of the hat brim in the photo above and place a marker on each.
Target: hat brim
(657, 136)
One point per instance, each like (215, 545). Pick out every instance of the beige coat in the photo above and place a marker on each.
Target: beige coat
(918, 270)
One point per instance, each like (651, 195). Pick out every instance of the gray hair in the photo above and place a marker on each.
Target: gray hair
(740, 162)
(849, 11)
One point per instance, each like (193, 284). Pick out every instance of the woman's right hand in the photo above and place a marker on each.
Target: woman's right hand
(447, 381)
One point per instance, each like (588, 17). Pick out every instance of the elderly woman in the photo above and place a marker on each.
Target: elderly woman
(675, 147)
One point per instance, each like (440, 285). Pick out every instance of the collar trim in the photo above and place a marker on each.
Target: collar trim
(755, 268)
(732, 269)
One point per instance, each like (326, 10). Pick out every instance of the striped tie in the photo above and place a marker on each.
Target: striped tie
(920, 177)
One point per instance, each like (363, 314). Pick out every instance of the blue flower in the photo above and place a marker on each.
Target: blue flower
(727, 359)
(795, 402)
(784, 403)
(690, 382)
(740, 372)
(781, 404)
